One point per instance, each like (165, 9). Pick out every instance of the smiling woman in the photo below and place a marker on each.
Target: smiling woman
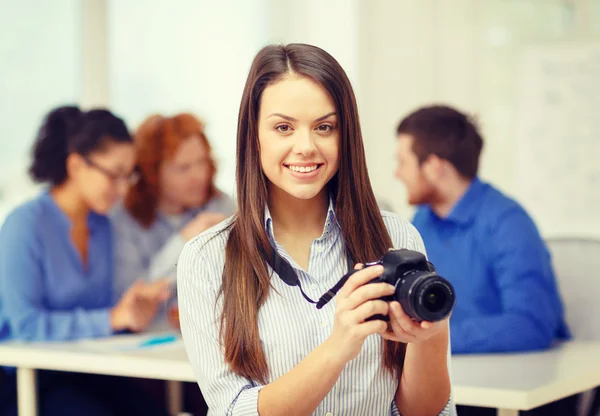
(256, 345)
(299, 138)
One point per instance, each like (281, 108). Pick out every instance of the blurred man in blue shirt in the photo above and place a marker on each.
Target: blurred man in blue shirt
(478, 238)
(484, 242)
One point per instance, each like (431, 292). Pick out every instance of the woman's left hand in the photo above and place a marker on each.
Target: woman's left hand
(403, 329)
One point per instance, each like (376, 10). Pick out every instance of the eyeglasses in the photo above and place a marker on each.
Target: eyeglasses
(130, 179)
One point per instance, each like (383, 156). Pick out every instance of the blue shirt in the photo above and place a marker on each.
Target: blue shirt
(46, 292)
(490, 250)
(151, 253)
(289, 327)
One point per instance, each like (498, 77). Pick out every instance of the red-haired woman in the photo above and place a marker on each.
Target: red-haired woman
(174, 199)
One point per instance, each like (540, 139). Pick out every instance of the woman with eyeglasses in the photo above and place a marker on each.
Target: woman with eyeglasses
(56, 262)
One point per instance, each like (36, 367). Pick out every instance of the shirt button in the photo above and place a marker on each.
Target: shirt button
(328, 414)
(314, 287)
(324, 324)
(319, 249)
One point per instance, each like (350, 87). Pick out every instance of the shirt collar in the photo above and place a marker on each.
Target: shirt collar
(466, 208)
(330, 222)
(93, 218)
(186, 217)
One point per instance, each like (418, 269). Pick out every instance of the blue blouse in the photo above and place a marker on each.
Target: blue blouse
(47, 293)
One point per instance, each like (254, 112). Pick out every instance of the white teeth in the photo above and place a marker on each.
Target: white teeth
(303, 169)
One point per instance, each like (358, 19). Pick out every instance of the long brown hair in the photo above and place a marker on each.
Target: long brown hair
(157, 139)
(246, 281)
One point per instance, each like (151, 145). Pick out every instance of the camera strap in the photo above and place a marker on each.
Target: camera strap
(286, 273)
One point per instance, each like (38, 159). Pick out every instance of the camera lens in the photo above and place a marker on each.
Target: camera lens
(434, 299)
(425, 296)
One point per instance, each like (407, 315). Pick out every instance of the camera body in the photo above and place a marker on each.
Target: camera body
(423, 295)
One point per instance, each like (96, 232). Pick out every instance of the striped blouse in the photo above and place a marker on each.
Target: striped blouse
(290, 327)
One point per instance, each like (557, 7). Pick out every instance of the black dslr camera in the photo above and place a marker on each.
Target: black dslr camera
(423, 295)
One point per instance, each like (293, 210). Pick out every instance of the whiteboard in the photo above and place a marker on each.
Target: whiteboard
(558, 129)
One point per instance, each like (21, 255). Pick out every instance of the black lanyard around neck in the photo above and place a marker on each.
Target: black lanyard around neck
(286, 273)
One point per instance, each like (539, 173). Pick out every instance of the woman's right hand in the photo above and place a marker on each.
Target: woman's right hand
(355, 302)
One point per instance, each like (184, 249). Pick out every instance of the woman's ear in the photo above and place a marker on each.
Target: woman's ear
(75, 163)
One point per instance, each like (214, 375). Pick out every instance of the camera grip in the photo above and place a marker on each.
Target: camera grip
(385, 318)
(378, 317)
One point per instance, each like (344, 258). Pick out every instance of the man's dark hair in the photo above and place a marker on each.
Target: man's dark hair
(446, 133)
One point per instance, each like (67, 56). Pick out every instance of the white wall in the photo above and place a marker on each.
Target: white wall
(193, 55)
(185, 55)
(398, 54)
(39, 69)
(465, 53)
(397, 73)
(331, 24)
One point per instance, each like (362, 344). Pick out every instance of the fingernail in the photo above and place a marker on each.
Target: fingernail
(379, 269)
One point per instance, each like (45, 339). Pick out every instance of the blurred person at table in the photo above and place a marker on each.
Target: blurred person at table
(56, 262)
(481, 240)
(174, 199)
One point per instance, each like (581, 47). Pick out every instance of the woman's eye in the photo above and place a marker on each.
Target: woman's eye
(283, 128)
(325, 128)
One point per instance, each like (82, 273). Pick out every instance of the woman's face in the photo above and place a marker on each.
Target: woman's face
(185, 179)
(299, 137)
(103, 177)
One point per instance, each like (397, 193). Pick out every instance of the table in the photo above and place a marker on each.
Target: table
(508, 382)
(110, 356)
(513, 382)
